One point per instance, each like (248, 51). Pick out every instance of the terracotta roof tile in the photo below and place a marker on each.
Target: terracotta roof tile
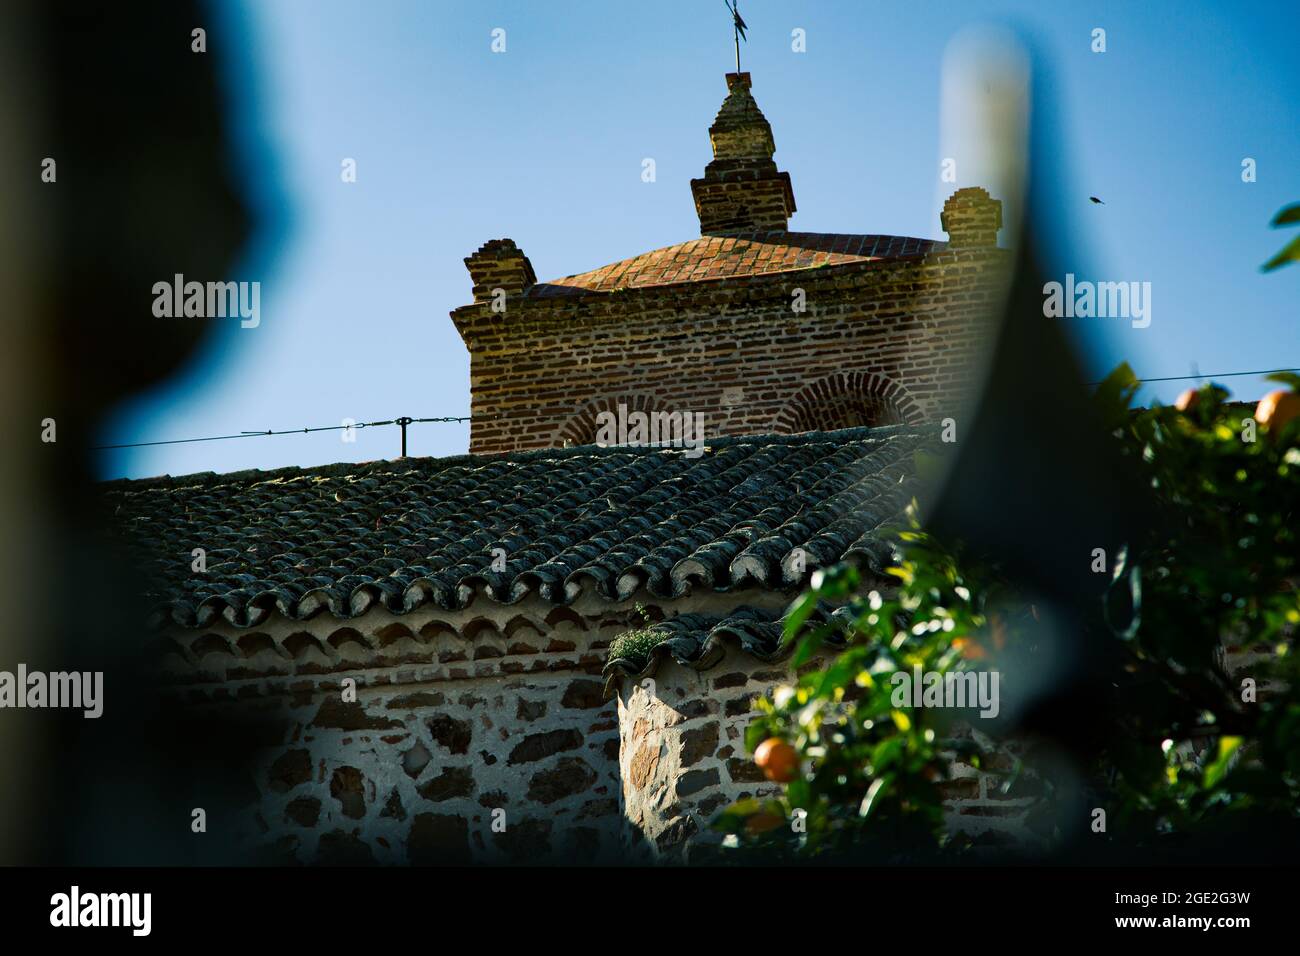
(718, 257)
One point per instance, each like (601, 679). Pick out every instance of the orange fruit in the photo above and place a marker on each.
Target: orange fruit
(1187, 400)
(777, 759)
(1277, 408)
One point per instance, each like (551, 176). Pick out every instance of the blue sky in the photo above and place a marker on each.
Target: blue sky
(544, 143)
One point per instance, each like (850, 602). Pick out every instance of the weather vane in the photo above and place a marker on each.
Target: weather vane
(738, 27)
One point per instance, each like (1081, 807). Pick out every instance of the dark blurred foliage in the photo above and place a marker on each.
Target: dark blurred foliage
(140, 129)
(1190, 733)
(1099, 669)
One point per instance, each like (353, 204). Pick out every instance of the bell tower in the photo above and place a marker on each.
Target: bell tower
(742, 190)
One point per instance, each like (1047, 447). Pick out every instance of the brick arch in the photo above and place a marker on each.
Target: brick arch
(847, 400)
(581, 428)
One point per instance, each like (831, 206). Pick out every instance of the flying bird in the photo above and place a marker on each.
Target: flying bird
(1096, 200)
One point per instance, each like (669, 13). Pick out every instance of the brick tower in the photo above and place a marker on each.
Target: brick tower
(742, 190)
(758, 329)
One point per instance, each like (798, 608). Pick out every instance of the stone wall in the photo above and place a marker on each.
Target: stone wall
(682, 752)
(456, 715)
(414, 773)
(682, 757)
(981, 805)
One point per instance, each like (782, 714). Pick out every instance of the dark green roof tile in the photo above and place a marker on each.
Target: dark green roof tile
(413, 532)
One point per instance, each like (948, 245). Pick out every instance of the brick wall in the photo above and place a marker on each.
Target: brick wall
(907, 334)
(741, 188)
(875, 341)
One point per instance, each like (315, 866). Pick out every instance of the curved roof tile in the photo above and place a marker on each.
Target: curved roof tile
(414, 532)
(699, 641)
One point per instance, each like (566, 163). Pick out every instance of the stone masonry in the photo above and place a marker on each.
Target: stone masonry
(460, 722)
(682, 758)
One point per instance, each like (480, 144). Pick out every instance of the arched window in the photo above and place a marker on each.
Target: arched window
(581, 428)
(847, 400)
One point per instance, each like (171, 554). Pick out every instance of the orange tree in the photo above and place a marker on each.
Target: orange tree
(1191, 746)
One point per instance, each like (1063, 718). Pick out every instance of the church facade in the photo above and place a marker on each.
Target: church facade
(760, 329)
(432, 644)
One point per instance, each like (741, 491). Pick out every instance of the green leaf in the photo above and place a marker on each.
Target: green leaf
(929, 468)
(800, 613)
(799, 793)
(1215, 771)
(732, 819)
(871, 800)
(755, 734)
(807, 647)
(1290, 253)
(837, 581)
(1127, 576)
(1290, 379)
(1287, 215)
(886, 753)
(840, 674)
(1116, 392)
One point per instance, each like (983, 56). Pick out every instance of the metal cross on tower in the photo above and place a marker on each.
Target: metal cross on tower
(738, 27)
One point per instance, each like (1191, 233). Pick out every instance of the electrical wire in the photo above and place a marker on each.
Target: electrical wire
(465, 418)
(285, 431)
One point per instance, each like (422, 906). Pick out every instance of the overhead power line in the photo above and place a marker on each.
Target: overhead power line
(1182, 378)
(403, 422)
